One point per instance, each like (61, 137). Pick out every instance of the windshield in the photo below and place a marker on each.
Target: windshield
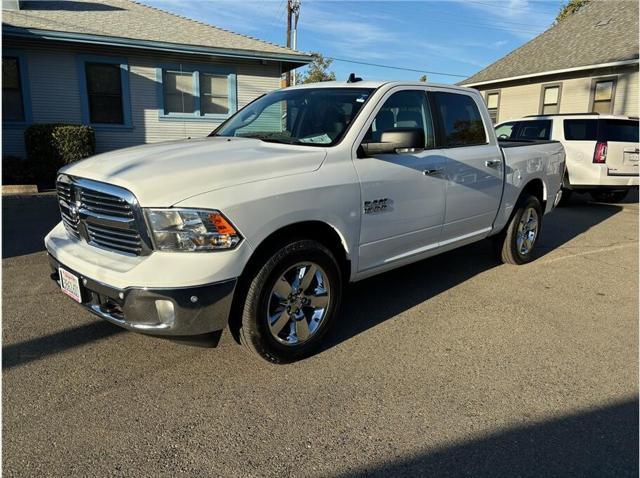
(308, 116)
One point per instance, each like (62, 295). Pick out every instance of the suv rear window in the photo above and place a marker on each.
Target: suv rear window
(581, 129)
(461, 121)
(619, 130)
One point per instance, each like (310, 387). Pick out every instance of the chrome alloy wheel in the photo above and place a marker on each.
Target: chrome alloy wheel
(298, 303)
(527, 231)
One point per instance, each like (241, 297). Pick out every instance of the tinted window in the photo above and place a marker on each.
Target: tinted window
(581, 129)
(105, 93)
(12, 104)
(619, 130)
(533, 130)
(405, 109)
(461, 120)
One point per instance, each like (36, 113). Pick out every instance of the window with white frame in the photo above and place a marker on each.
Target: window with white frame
(603, 92)
(493, 103)
(550, 100)
(196, 92)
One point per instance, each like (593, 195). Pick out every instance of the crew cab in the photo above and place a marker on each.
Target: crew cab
(602, 150)
(259, 225)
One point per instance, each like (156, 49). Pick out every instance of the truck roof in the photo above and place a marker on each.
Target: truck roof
(375, 84)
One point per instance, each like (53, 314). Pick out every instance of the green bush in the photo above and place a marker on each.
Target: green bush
(51, 146)
(17, 171)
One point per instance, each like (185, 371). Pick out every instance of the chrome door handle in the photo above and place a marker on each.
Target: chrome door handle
(433, 172)
(492, 163)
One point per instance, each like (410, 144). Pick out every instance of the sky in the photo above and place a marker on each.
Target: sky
(447, 40)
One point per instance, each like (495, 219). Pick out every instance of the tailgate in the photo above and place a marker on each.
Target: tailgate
(622, 145)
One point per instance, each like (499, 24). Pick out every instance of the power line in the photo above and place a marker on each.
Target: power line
(395, 67)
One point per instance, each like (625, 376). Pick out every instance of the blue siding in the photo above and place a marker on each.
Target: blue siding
(56, 85)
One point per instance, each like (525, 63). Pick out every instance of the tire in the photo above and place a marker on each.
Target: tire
(507, 242)
(266, 328)
(609, 195)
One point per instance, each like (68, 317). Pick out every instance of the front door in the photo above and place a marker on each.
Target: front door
(403, 194)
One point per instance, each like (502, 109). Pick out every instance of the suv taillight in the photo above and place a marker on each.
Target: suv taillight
(600, 153)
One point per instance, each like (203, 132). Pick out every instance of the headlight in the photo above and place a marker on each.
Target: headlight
(191, 230)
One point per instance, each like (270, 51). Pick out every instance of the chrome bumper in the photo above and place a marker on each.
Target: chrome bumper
(170, 312)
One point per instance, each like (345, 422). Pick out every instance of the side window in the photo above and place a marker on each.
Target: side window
(404, 109)
(461, 121)
(12, 99)
(603, 93)
(581, 129)
(493, 103)
(104, 92)
(532, 130)
(504, 131)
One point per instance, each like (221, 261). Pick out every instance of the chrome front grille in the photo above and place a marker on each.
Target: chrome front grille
(70, 218)
(103, 215)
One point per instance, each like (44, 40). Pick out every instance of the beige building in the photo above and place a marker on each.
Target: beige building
(587, 63)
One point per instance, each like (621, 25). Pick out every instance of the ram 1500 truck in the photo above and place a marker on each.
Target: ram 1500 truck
(261, 224)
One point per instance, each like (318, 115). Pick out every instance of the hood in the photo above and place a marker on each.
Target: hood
(163, 174)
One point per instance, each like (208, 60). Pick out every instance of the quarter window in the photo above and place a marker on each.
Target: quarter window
(603, 96)
(581, 129)
(12, 99)
(493, 103)
(461, 121)
(550, 100)
(104, 92)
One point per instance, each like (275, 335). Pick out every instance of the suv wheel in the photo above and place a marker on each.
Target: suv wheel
(609, 195)
(291, 302)
(517, 241)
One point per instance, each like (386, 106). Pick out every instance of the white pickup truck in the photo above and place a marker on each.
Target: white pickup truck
(261, 224)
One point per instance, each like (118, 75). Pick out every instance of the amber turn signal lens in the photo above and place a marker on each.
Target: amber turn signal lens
(222, 226)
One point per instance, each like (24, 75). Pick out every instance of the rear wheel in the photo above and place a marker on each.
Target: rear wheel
(517, 241)
(609, 195)
(291, 302)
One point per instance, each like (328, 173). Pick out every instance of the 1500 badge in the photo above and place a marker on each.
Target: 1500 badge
(376, 205)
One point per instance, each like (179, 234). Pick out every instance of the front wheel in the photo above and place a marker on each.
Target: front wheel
(609, 195)
(291, 302)
(517, 241)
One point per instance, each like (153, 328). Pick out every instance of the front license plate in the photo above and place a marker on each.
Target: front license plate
(70, 284)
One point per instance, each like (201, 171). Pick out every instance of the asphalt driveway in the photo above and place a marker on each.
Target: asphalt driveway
(455, 366)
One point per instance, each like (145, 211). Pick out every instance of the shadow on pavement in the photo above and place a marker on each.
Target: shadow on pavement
(600, 442)
(25, 222)
(35, 349)
(373, 301)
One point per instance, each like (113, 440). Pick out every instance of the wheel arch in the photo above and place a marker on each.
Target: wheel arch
(536, 188)
(321, 231)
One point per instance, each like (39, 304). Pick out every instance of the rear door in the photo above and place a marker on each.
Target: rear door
(621, 137)
(473, 164)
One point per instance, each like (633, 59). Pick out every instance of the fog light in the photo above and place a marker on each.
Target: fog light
(166, 314)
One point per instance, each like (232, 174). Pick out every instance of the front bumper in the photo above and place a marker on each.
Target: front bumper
(157, 311)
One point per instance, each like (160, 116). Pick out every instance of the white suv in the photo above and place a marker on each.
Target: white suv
(602, 150)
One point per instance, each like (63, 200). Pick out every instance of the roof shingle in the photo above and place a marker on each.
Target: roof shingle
(131, 20)
(603, 31)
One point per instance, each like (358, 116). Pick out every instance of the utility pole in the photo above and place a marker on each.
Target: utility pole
(293, 12)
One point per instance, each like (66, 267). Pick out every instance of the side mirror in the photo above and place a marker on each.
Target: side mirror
(397, 140)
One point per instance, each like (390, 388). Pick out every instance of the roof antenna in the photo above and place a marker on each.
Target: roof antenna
(353, 78)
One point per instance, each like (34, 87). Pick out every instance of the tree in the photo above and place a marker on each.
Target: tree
(423, 78)
(569, 8)
(318, 70)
